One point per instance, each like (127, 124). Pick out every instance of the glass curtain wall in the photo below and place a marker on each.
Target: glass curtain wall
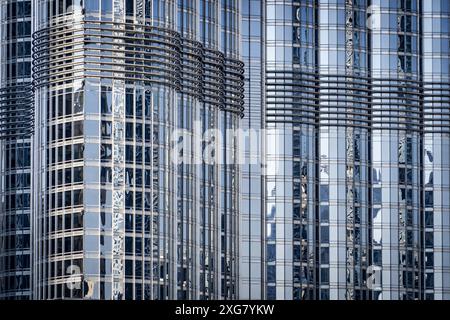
(120, 217)
(357, 171)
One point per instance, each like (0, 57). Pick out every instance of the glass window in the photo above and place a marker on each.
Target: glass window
(428, 199)
(129, 245)
(324, 294)
(324, 275)
(78, 151)
(271, 253)
(429, 259)
(325, 234)
(377, 196)
(271, 273)
(78, 128)
(106, 100)
(429, 239)
(324, 193)
(106, 152)
(324, 255)
(429, 223)
(106, 129)
(429, 281)
(324, 214)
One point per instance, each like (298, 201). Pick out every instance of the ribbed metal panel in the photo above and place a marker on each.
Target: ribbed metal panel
(64, 51)
(16, 111)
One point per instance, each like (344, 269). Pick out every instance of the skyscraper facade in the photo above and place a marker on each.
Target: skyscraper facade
(225, 149)
(118, 215)
(16, 115)
(357, 173)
